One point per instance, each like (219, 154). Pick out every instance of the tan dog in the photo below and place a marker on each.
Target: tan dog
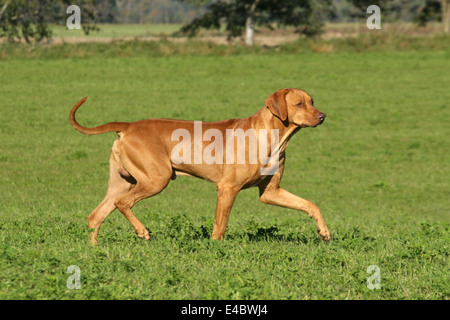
(142, 159)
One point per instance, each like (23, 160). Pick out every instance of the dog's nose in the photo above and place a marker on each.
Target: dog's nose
(322, 116)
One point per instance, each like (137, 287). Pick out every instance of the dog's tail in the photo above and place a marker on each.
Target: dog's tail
(109, 127)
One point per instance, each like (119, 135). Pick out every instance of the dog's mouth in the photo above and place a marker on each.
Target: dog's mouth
(319, 123)
(303, 125)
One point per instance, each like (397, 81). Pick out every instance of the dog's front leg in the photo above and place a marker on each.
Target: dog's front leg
(225, 200)
(283, 198)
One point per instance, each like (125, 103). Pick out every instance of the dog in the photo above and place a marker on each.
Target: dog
(147, 155)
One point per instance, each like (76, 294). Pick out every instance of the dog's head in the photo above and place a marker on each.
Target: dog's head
(296, 107)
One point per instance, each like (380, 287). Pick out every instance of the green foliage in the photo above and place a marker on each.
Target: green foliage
(302, 14)
(431, 11)
(25, 19)
(30, 19)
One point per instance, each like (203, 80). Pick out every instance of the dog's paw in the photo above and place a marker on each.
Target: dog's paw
(324, 234)
(93, 238)
(144, 235)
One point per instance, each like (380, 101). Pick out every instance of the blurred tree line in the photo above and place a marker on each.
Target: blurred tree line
(30, 19)
(183, 11)
(151, 11)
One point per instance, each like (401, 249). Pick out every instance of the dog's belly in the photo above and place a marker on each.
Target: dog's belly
(241, 176)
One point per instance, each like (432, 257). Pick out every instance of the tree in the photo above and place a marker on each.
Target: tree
(240, 15)
(30, 19)
(445, 8)
(435, 10)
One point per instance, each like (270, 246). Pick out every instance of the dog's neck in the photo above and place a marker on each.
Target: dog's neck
(285, 129)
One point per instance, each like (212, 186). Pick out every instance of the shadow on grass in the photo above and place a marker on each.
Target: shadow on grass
(269, 233)
(181, 227)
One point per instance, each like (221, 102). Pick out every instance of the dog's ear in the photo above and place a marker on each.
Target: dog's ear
(276, 103)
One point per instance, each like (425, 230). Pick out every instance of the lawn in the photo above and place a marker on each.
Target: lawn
(377, 168)
(118, 30)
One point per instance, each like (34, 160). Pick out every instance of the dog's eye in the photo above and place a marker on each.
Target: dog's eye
(299, 104)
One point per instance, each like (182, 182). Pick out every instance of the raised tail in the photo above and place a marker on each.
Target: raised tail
(109, 127)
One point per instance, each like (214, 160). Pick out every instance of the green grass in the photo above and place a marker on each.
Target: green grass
(116, 47)
(118, 30)
(377, 168)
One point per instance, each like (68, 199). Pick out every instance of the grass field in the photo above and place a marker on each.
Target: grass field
(378, 169)
(330, 30)
(118, 30)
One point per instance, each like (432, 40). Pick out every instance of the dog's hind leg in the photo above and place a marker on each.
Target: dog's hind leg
(145, 188)
(118, 186)
(141, 191)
